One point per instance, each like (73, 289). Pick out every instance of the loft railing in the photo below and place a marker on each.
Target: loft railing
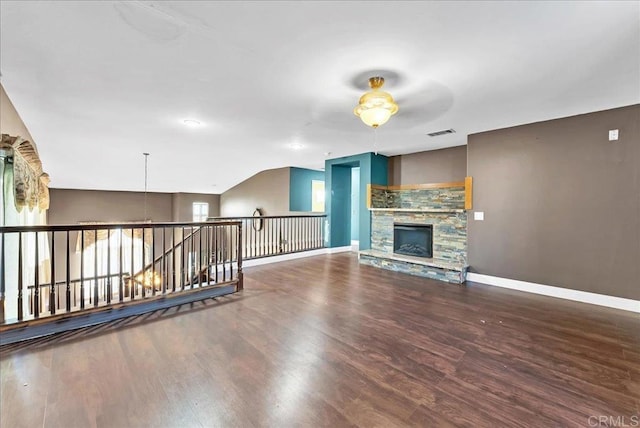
(267, 236)
(56, 271)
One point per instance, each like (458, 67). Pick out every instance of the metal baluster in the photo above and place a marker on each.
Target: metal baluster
(173, 259)
(240, 283)
(153, 261)
(192, 259)
(273, 247)
(215, 252)
(200, 256)
(52, 287)
(95, 268)
(279, 237)
(36, 298)
(163, 261)
(144, 262)
(208, 255)
(82, 269)
(231, 252)
(132, 286)
(120, 265)
(225, 249)
(182, 256)
(68, 275)
(20, 284)
(108, 279)
(267, 230)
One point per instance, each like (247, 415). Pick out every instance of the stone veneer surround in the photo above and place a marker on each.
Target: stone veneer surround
(449, 232)
(441, 207)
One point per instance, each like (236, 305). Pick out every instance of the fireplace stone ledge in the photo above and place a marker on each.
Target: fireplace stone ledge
(442, 270)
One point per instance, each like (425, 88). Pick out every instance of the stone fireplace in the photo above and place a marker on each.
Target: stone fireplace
(420, 230)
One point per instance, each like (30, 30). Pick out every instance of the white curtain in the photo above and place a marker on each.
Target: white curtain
(103, 257)
(107, 251)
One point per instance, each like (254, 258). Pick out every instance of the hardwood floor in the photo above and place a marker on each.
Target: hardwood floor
(324, 341)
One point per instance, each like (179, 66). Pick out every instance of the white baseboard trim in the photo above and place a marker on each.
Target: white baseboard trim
(562, 293)
(334, 250)
(293, 256)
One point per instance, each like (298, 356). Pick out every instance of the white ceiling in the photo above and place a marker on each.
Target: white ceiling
(99, 83)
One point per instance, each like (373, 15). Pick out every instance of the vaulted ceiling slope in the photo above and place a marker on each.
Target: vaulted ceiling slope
(275, 83)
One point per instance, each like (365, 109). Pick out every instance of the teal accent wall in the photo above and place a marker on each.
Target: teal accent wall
(355, 203)
(300, 187)
(373, 170)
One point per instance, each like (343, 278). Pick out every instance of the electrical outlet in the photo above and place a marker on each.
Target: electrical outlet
(613, 135)
(478, 215)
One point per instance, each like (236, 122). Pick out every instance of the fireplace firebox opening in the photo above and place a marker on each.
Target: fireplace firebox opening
(413, 239)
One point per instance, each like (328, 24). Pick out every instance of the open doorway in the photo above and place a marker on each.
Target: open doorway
(341, 210)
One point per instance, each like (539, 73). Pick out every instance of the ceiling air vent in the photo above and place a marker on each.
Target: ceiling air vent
(439, 133)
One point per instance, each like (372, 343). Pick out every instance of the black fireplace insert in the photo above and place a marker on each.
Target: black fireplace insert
(413, 239)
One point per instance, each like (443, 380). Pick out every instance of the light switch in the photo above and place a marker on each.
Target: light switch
(478, 215)
(613, 134)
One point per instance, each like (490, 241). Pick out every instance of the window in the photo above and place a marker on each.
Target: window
(317, 196)
(200, 211)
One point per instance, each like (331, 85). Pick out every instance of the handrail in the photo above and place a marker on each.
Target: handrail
(108, 226)
(266, 217)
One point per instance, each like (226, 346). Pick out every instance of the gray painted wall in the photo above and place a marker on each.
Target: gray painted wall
(267, 190)
(70, 206)
(561, 203)
(435, 166)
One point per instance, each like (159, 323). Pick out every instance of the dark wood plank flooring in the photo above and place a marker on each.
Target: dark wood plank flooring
(324, 341)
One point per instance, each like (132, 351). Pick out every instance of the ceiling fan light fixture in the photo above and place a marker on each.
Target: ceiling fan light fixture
(376, 106)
